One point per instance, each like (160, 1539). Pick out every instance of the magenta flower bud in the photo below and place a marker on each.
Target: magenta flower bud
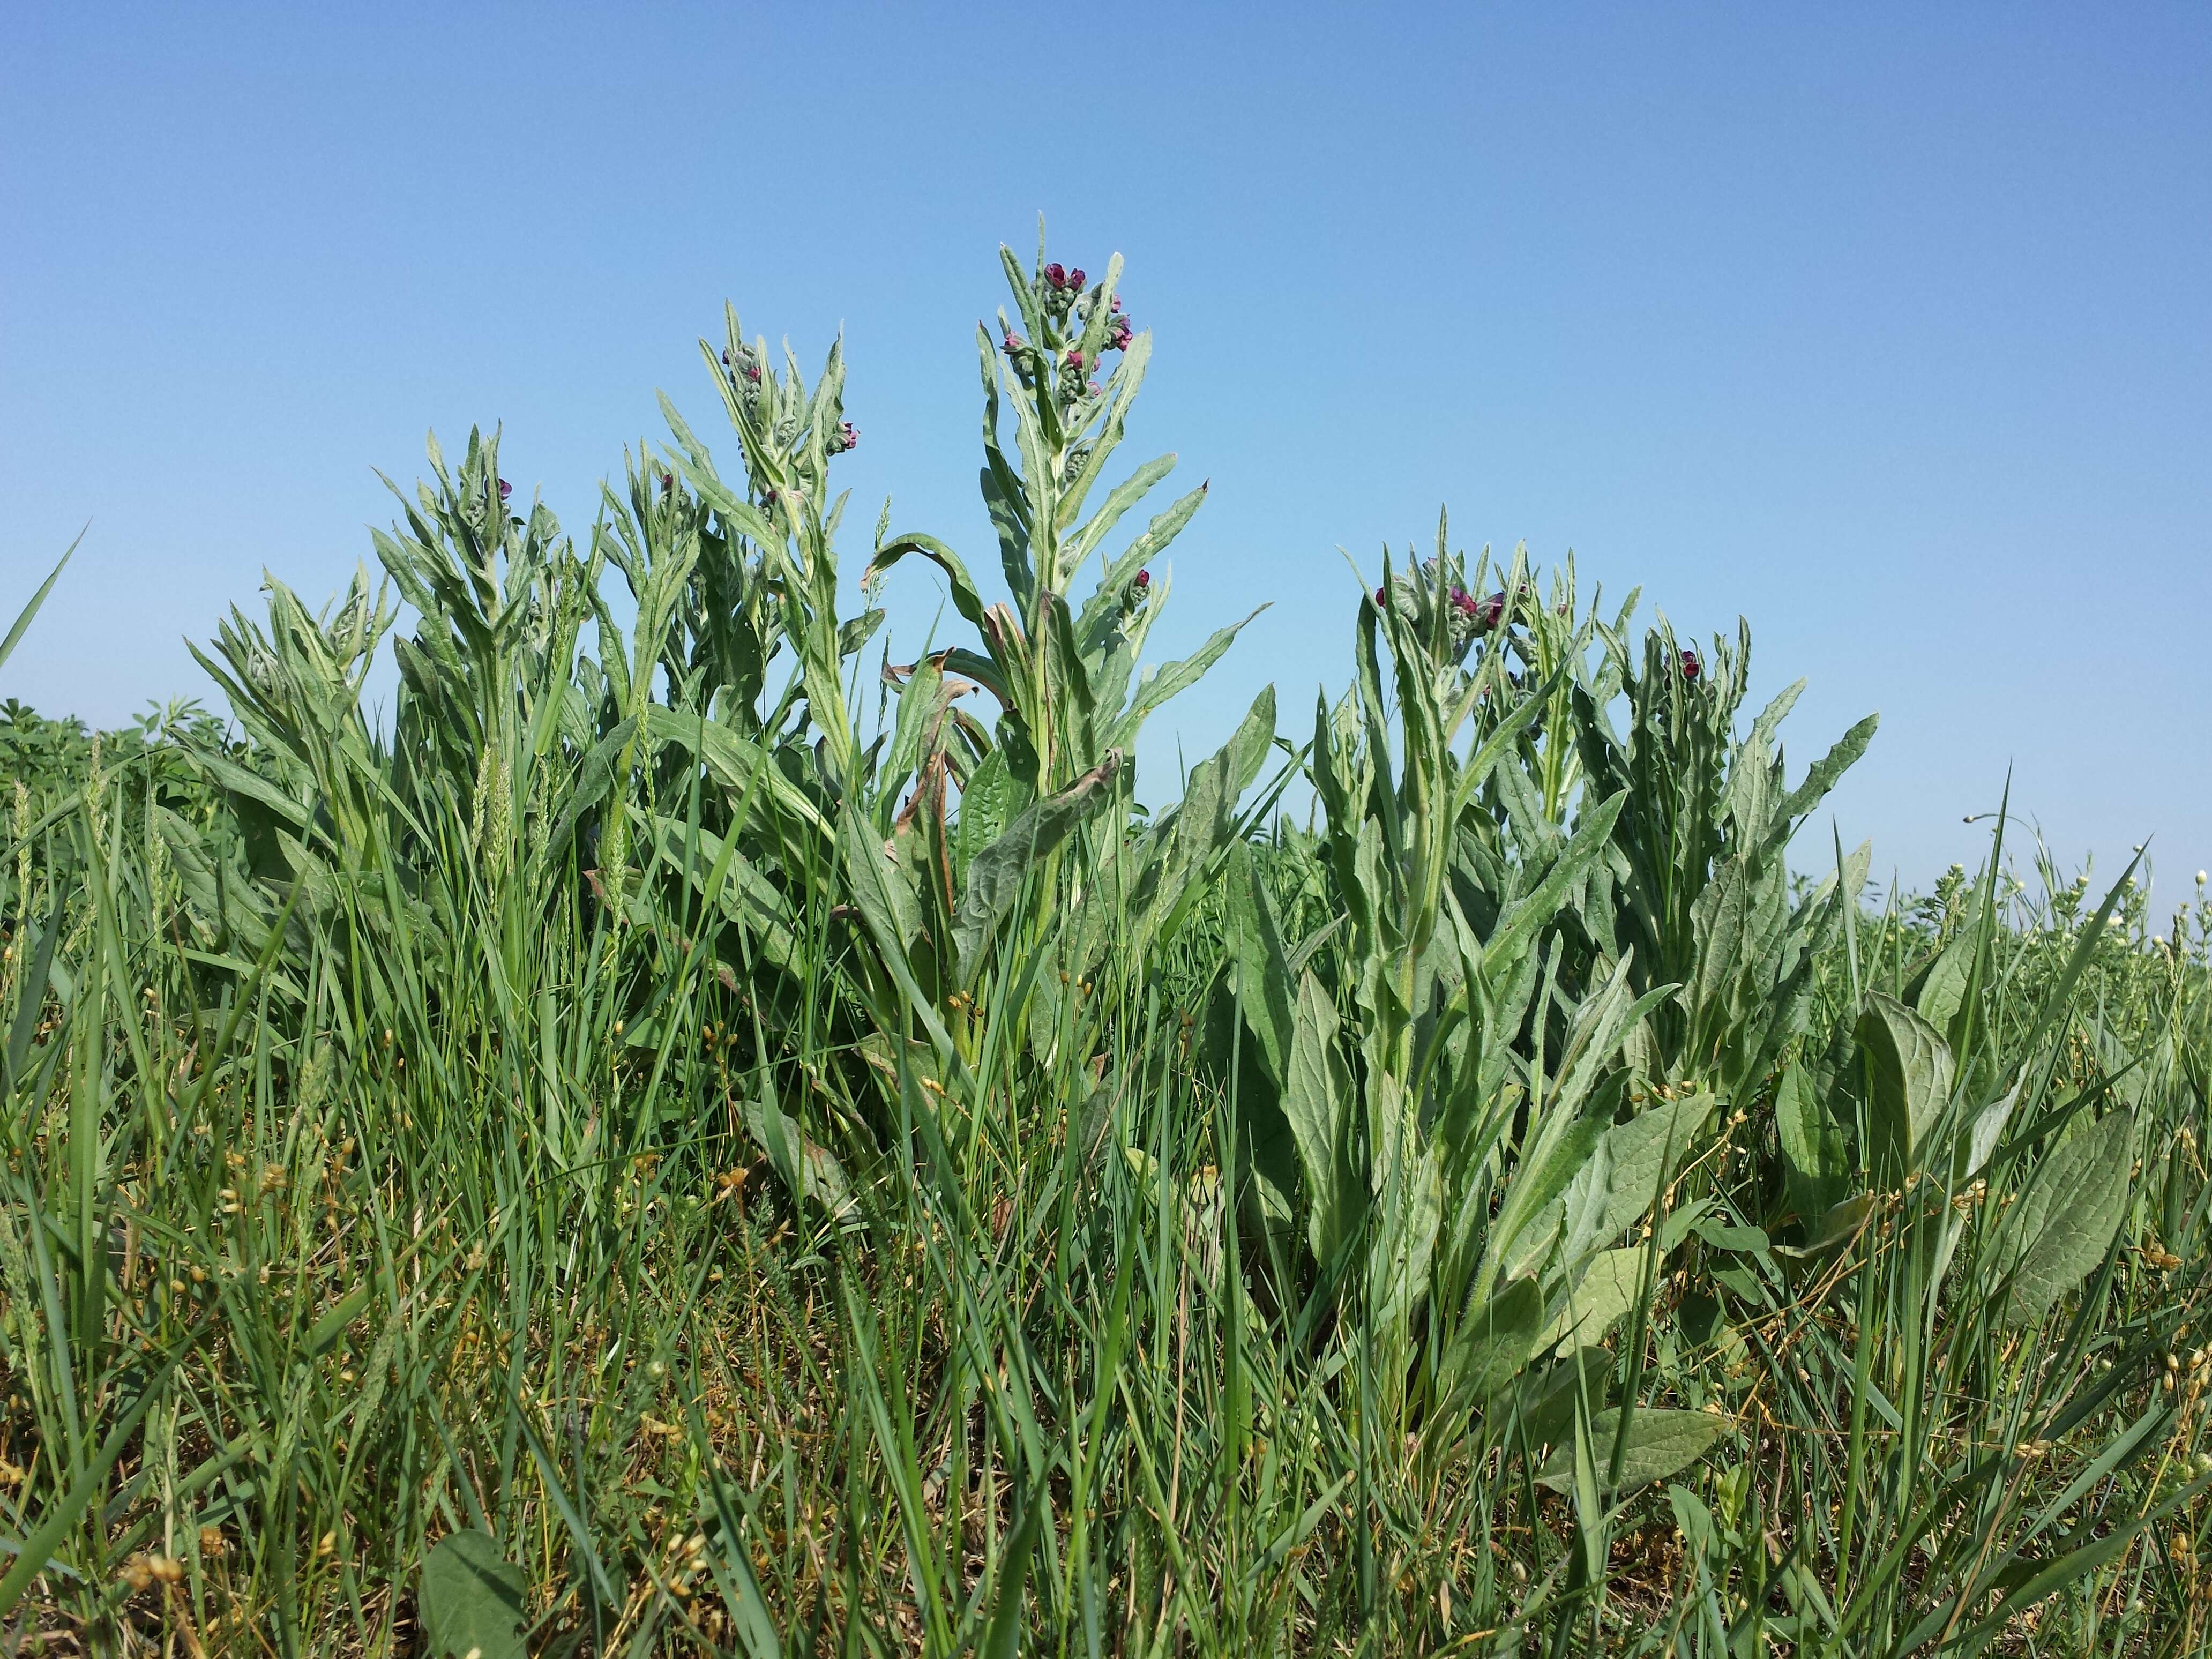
(667, 483)
(852, 436)
(1075, 277)
(1462, 601)
(1056, 275)
(1690, 668)
(1012, 343)
(505, 490)
(1381, 598)
(1144, 580)
(1490, 612)
(1117, 304)
(1118, 337)
(1075, 358)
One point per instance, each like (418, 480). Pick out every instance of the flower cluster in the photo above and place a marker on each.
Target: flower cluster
(747, 369)
(1137, 592)
(1066, 305)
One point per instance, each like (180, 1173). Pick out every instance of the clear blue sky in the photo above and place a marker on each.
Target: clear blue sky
(1890, 328)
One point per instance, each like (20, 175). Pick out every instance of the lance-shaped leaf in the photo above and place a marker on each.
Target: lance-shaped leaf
(1162, 530)
(965, 599)
(996, 874)
(735, 762)
(23, 619)
(595, 775)
(1825, 771)
(1155, 686)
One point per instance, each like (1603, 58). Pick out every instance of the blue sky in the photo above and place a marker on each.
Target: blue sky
(1887, 328)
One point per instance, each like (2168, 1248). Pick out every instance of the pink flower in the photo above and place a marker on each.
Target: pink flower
(1075, 277)
(505, 490)
(1490, 612)
(1012, 343)
(1075, 358)
(1691, 667)
(667, 482)
(1144, 580)
(1119, 336)
(852, 436)
(1056, 275)
(1462, 601)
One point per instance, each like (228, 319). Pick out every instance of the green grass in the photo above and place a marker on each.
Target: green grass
(713, 1137)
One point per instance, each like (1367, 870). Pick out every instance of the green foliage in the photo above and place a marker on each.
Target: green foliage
(803, 1177)
(472, 1599)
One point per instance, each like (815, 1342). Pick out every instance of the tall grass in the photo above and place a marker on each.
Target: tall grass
(708, 1137)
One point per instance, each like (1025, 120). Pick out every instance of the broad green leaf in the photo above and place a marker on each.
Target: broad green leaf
(1695, 1520)
(1721, 914)
(1317, 1101)
(1944, 985)
(595, 775)
(737, 763)
(996, 874)
(1983, 1130)
(1528, 1222)
(884, 895)
(1814, 1150)
(805, 1167)
(1661, 1442)
(471, 1601)
(1263, 972)
(1841, 1223)
(1605, 1295)
(1494, 1344)
(2064, 1221)
(1637, 1158)
(1527, 916)
(1910, 1070)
